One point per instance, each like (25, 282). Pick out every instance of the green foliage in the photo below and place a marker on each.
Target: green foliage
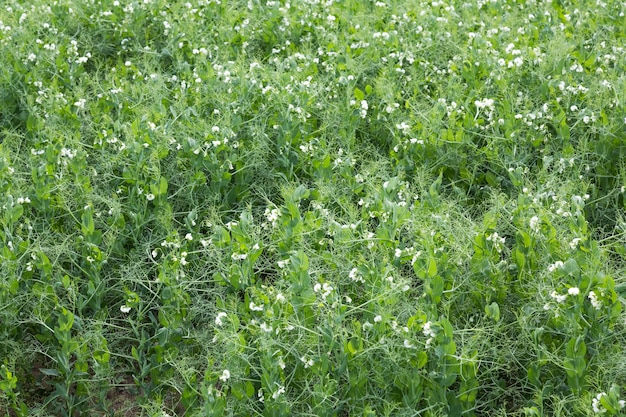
(312, 208)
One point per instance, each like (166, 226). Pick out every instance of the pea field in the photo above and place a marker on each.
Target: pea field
(328, 208)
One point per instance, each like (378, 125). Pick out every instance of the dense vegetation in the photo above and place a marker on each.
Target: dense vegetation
(315, 208)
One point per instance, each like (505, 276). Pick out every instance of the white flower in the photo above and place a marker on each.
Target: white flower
(150, 197)
(68, 153)
(225, 375)
(308, 362)
(417, 255)
(534, 224)
(429, 341)
(255, 307)
(427, 329)
(559, 298)
(364, 107)
(239, 256)
(597, 406)
(408, 344)
(354, 276)
(231, 224)
(573, 291)
(595, 302)
(124, 309)
(188, 236)
(574, 243)
(488, 103)
(281, 390)
(404, 127)
(555, 266)
(272, 215)
(280, 298)
(218, 319)
(266, 328)
(378, 319)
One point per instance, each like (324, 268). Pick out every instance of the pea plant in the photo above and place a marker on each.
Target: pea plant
(327, 208)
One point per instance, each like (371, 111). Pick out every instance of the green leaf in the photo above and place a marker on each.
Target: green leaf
(436, 288)
(88, 225)
(606, 402)
(575, 367)
(102, 357)
(17, 212)
(520, 258)
(49, 372)
(8, 381)
(534, 374)
(358, 94)
(571, 267)
(300, 193)
(432, 267)
(66, 320)
(490, 220)
(238, 391)
(300, 261)
(493, 311)
(422, 359)
(524, 239)
(221, 237)
(249, 389)
(134, 353)
(576, 347)
(162, 186)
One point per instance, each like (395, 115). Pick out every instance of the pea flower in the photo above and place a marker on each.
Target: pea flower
(225, 375)
(281, 390)
(218, 319)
